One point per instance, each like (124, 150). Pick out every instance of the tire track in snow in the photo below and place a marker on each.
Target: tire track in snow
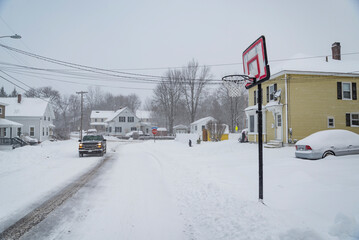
(33, 218)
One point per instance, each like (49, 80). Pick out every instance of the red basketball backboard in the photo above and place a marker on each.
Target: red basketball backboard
(255, 62)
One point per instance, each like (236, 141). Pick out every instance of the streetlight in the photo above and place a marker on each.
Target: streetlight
(16, 36)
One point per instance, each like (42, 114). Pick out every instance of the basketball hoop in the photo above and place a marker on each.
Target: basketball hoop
(235, 84)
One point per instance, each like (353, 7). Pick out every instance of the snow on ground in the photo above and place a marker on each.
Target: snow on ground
(166, 190)
(31, 173)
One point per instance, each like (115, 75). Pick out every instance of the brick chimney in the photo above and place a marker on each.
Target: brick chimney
(19, 98)
(336, 51)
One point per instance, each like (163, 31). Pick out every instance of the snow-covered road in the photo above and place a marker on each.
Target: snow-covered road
(166, 190)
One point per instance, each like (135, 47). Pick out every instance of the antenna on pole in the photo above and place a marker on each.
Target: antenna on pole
(82, 103)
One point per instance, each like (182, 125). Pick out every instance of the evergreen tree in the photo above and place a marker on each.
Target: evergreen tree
(14, 93)
(2, 92)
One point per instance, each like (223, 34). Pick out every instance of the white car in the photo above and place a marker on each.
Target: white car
(328, 142)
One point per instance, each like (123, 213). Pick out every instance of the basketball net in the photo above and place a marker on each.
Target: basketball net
(236, 83)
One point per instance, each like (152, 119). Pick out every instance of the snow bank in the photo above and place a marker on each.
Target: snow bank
(185, 137)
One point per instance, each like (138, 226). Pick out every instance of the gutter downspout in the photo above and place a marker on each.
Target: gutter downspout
(286, 107)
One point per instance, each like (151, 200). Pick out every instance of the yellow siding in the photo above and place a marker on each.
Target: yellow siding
(311, 100)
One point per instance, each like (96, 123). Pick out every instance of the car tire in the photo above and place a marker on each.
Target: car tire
(328, 153)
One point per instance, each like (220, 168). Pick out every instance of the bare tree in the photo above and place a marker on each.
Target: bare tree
(215, 130)
(234, 106)
(133, 102)
(193, 81)
(167, 95)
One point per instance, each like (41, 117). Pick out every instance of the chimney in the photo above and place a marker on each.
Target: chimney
(19, 98)
(336, 51)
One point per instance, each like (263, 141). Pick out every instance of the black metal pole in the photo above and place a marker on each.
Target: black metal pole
(260, 142)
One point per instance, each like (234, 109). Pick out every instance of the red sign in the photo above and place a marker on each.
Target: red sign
(154, 131)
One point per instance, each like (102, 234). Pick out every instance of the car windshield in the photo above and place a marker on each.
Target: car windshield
(92, 138)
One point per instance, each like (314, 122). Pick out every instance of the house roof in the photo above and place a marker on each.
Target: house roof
(206, 119)
(29, 107)
(7, 123)
(181, 126)
(303, 64)
(101, 114)
(115, 114)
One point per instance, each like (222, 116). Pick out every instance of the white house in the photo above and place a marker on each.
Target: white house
(180, 129)
(122, 121)
(8, 129)
(35, 114)
(198, 126)
(98, 119)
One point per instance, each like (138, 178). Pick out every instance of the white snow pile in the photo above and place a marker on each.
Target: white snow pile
(333, 137)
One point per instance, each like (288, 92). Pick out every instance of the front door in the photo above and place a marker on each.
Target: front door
(278, 126)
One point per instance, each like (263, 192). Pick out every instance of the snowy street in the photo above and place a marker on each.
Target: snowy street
(166, 190)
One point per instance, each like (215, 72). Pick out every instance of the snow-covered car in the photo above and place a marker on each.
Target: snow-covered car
(328, 142)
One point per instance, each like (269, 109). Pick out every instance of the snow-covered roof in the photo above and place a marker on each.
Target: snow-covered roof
(29, 107)
(101, 114)
(7, 123)
(2, 103)
(205, 120)
(141, 114)
(161, 129)
(304, 64)
(98, 124)
(115, 114)
(181, 126)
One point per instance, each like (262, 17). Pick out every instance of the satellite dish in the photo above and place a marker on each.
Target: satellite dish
(278, 93)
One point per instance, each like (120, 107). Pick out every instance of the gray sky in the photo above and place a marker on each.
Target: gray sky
(159, 34)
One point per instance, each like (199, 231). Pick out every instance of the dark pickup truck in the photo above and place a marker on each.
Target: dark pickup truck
(92, 144)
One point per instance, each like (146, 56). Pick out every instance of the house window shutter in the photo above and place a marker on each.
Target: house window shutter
(354, 91)
(275, 87)
(267, 94)
(339, 90)
(347, 119)
(255, 98)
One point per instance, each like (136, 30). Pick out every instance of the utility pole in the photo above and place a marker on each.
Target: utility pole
(82, 113)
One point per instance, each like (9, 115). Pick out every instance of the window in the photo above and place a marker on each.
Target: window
(32, 131)
(122, 119)
(95, 119)
(331, 122)
(48, 118)
(352, 119)
(279, 120)
(47, 131)
(130, 119)
(101, 119)
(4, 132)
(118, 129)
(19, 131)
(0, 110)
(133, 129)
(195, 128)
(251, 123)
(346, 91)
(271, 90)
(110, 129)
(203, 127)
(43, 131)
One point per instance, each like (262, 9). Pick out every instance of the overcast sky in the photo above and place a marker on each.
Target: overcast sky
(160, 34)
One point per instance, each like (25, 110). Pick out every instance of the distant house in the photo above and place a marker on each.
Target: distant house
(162, 132)
(198, 126)
(122, 121)
(36, 115)
(145, 121)
(306, 96)
(8, 129)
(180, 129)
(98, 119)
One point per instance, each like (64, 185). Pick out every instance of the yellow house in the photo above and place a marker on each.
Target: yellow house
(306, 96)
